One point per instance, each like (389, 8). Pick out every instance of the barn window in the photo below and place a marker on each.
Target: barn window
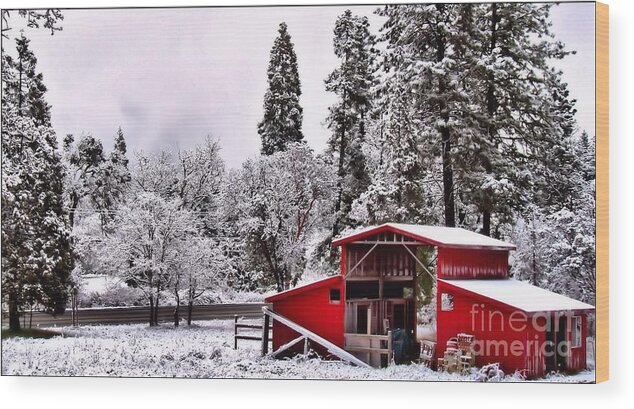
(335, 295)
(576, 332)
(446, 302)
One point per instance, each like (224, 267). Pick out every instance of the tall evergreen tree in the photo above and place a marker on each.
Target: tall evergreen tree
(27, 90)
(112, 180)
(351, 82)
(36, 249)
(421, 51)
(282, 122)
(519, 103)
(485, 102)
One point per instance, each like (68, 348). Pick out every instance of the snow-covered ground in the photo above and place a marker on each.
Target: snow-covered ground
(202, 351)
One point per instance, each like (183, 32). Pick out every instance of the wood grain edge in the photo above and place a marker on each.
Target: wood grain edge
(602, 356)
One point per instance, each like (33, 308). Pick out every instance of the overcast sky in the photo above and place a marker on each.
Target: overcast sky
(169, 77)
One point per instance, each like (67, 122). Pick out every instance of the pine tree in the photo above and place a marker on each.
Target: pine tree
(421, 50)
(351, 82)
(282, 122)
(112, 180)
(484, 101)
(36, 249)
(27, 90)
(518, 98)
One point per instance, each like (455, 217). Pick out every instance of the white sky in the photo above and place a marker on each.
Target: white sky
(169, 77)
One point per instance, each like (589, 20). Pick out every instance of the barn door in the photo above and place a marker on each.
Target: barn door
(562, 343)
(362, 319)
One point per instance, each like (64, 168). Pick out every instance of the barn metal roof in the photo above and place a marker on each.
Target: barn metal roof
(520, 295)
(434, 235)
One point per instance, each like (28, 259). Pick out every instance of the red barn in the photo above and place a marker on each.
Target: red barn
(520, 326)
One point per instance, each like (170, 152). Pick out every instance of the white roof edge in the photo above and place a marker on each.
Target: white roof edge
(299, 287)
(449, 236)
(519, 294)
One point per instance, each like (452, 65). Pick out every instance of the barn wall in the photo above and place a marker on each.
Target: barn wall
(312, 310)
(500, 336)
(472, 263)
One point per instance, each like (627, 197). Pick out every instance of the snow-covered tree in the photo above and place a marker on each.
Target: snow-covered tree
(556, 237)
(282, 122)
(517, 100)
(112, 181)
(26, 90)
(83, 162)
(204, 267)
(403, 179)
(199, 183)
(351, 82)
(276, 202)
(36, 251)
(194, 177)
(421, 55)
(146, 248)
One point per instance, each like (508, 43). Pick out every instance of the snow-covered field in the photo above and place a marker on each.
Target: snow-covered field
(202, 351)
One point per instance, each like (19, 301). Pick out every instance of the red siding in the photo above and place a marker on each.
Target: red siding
(454, 263)
(502, 335)
(312, 310)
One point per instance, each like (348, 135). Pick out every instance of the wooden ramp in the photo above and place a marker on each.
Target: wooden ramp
(306, 335)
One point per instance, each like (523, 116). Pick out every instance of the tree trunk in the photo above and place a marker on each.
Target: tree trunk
(177, 310)
(14, 314)
(176, 315)
(341, 173)
(156, 310)
(491, 108)
(190, 311)
(151, 311)
(447, 179)
(445, 135)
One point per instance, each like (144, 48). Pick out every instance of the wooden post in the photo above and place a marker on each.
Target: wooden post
(305, 346)
(389, 348)
(265, 335)
(235, 332)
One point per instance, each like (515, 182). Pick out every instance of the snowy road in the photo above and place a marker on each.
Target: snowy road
(132, 315)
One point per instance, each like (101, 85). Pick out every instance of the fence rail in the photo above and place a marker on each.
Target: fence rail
(237, 325)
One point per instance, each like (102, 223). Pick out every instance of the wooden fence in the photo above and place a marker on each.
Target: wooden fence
(264, 336)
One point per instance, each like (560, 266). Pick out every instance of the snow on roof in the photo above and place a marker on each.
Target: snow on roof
(520, 295)
(436, 235)
(303, 288)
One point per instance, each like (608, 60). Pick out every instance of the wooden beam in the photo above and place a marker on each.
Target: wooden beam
(361, 261)
(420, 263)
(287, 346)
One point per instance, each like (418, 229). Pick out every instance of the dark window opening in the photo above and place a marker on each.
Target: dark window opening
(362, 290)
(399, 316)
(335, 296)
(397, 290)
